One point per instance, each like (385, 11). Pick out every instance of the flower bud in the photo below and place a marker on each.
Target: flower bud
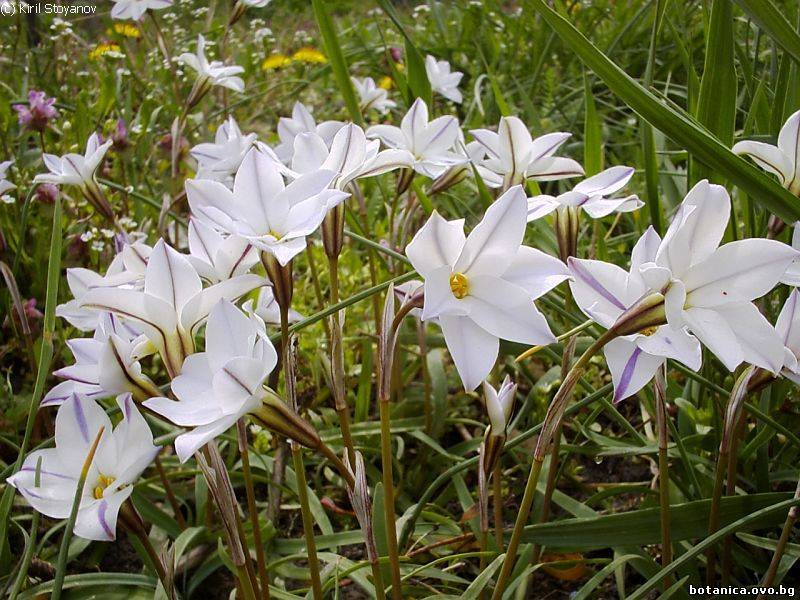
(454, 175)
(565, 220)
(38, 113)
(404, 180)
(647, 312)
(236, 12)
(281, 277)
(95, 196)
(492, 450)
(360, 501)
(46, 193)
(333, 231)
(201, 87)
(275, 415)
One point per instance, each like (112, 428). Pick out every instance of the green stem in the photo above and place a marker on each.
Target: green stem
(252, 509)
(791, 519)
(337, 362)
(388, 498)
(713, 518)
(663, 475)
(308, 520)
(497, 504)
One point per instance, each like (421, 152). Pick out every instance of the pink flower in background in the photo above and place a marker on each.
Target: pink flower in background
(37, 113)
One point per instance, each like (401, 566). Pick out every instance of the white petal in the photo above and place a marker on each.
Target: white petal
(414, 122)
(134, 440)
(768, 157)
(98, 519)
(536, 272)
(789, 143)
(474, 350)
(310, 151)
(77, 423)
(760, 343)
(788, 324)
(541, 206)
(606, 182)
(170, 276)
(631, 368)
(190, 442)
(600, 289)
(716, 335)
(199, 306)
(436, 244)
(675, 343)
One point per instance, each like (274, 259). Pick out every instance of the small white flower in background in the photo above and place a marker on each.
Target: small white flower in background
(256, 3)
(126, 270)
(74, 169)
(5, 185)
(512, 156)
(219, 386)
(591, 195)
(172, 305)
(500, 404)
(216, 257)
(443, 81)
(430, 144)
(121, 456)
(220, 160)
(267, 309)
(105, 365)
(372, 97)
(788, 328)
(708, 292)
(350, 155)
(135, 9)
(214, 72)
(782, 160)
(482, 287)
(272, 216)
(301, 121)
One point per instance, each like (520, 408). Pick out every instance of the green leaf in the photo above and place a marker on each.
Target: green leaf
(105, 580)
(592, 132)
(338, 62)
(771, 20)
(417, 78)
(674, 122)
(641, 527)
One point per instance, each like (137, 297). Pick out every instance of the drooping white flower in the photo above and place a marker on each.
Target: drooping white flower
(222, 384)
(219, 161)
(482, 287)
(500, 404)
(105, 365)
(350, 155)
(262, 209)
(592, 195)
(512, 156)
(5, 184)
(216, 257)
(122, 454)
(135, 9)
(708, 291)
(372, 97)
(214, 72)
(301, 121)
(74, 169)
(172, 305)
(430, 144)
(442, 80)
(782, 160)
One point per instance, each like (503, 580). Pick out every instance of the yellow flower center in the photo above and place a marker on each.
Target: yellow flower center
(103, 481)
(274, 234)
(648, 331)
(459, 285)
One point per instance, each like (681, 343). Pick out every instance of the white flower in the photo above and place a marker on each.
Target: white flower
(272, 216)
(267, 308)
(350, 155)
(500, 404)
(121, 456)
(105, 365)
(256, 3)
(429, 143)
(788, 328)
(135, 9)
(214, 72)
(442, 80)
(512, 156)
(370, 96)
(708, 292)
(482, 287)
(172, 305)
(219, 386)
(792, 275)
(591, 195)
(215, 257)
(301, 121)
(5, 185)
(220, 160)
(782, 160)
(74, 169)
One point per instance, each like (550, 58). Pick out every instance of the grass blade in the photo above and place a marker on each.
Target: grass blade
(771, 20)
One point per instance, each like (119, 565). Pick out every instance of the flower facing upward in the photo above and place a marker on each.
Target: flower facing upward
(443, 80)
(302, 121)
(481, 287)
(372, 97)
(39, 111)
(134, 9)
(706, 294)
(217, 258)
(262, 209)
(220, 161)
(512, 156)
(429, 143)
(214, 72)
(121, 456)
(782, 160)
(591, 195)
(219, 386)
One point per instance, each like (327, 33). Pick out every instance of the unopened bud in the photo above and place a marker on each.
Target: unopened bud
(237, 12)
(493, 444)
(281, 277)
(333, 231)
(275, 415)
(359, 500)
(404, 180)
(92, 192)
(566, 220)
(201, 87)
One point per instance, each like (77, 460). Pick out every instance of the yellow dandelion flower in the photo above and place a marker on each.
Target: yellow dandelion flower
(127, 30)
(276, 61)
(386, 83)
(103, 49)
(309, 55)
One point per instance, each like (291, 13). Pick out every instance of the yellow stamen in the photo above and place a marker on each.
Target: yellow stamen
(459, 284)
(103, 481)
(648, 331)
